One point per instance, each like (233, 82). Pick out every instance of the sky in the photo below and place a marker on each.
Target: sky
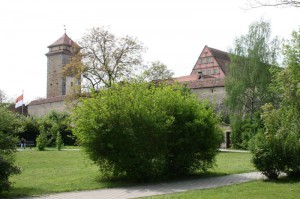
(173, 31)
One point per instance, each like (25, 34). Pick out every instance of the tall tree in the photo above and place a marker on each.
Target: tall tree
(274, 3)
(277, 148)
(249, 71)
(105, 58)
(157, 71)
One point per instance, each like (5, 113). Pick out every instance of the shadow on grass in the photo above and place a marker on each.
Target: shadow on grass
(20, 192)
(284, 180)
(123, 181)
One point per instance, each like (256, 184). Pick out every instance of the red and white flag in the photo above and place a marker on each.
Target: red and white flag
(19, 101)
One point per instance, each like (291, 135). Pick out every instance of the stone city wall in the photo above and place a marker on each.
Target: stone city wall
(42, 107)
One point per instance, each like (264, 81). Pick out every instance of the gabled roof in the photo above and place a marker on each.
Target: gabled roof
(63, 40)
(221, 57)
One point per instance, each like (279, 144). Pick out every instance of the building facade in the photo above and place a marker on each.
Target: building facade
(207, 76)
(58, 84)
(206, 79)
(60, 53)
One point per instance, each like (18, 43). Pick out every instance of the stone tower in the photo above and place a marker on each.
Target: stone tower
(59, 55)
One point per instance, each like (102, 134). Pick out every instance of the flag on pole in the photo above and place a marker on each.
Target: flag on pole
(19, 101)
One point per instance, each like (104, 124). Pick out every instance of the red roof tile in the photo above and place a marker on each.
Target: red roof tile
(48, 100)
(186, 78)
(189, 78)
(221, 57)
(193, 81)
(63, 40)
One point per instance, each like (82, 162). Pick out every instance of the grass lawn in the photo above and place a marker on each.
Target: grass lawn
(58, 171)
(251, 190)
(232, 163)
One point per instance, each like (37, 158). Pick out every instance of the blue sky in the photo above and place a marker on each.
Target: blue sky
(174, 31)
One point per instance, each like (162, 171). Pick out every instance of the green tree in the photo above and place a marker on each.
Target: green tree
(30, 128)
(105, 59)
(157, 71)
(249, 74)
(146, 130)
(9, 126)
(56, 122)
(277, 149)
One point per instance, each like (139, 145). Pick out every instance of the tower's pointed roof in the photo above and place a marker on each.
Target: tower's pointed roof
(63, 40)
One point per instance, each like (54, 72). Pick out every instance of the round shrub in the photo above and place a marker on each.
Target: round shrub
(8, 142)
(277, 148)
(143, 130)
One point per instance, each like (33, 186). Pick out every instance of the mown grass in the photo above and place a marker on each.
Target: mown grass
(69, 170)
(232, 163)
(283, 188)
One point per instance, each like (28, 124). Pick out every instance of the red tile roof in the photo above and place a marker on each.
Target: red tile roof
(221, 57)
(193, 81)
(63, 40)
(186, 78)
(48, 100)
(189, 78)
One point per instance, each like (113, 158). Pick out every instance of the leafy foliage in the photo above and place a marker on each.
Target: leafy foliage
(29, 128)
(244, 130)
(278, 148)
(8, 140)
(145, 130)
(41, 140)
(249, 75)
(59, 142)
(56, 122)
(157, 71)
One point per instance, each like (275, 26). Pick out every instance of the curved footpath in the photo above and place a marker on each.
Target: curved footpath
(156, 189)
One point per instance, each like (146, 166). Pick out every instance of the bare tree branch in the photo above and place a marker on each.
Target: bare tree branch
(273, 3)
(107, 58)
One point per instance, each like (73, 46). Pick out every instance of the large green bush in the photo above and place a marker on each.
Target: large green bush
(145, 130)
(8, 141)
(244, 129)
(277, 149)
(49, 127)
(30, 128)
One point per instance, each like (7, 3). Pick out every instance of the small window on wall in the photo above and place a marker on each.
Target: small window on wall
(205, 60)
(208, 72)
(216, 70)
